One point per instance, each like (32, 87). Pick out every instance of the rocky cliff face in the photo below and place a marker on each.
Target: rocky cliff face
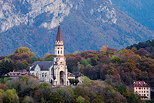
(86, 25)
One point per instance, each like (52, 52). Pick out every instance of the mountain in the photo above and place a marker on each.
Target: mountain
(85, 25)
(141, 10)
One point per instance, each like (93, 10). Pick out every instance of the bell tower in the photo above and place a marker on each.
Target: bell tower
(60, 68)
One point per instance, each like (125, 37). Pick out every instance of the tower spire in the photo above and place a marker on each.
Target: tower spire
(59, 35)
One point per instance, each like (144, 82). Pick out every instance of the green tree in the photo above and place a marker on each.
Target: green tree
(86, 62)
(10, 96)
(1, 95)
(80, 99)
(56, 98)
(28, 99)
(6, 65)
(115, 59)
(44, 85)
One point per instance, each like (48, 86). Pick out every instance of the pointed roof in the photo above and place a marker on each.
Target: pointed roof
(59, 35)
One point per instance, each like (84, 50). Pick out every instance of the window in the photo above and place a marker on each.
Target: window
(45, 74)
(42, 74)
(58, 52)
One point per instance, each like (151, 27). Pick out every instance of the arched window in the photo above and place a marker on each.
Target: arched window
(42, 74)
(58, 51)
(45, 74)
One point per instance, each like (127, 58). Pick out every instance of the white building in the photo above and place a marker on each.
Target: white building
(143, 90)
(54, 71)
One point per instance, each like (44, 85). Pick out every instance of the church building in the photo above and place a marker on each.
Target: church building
(54, 71)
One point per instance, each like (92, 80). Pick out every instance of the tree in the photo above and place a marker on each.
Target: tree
(74, 81)
(56, 98)
(24, 50)
(115, 59)
(80, 99)
(10, 96)
(1, 95)
(6, 65)
(44, 85)
(104, 49)
(21, 65)
(28, 99)
(86, 62)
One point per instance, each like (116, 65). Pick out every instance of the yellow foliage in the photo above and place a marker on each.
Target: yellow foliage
(24, 50)
(104, 49)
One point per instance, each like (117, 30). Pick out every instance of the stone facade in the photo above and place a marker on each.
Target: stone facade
(54, 71)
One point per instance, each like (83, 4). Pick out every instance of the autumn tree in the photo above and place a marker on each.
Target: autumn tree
(10, 96)
(24, 51)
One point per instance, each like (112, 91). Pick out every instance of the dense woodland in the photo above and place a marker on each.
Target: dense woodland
(111, 72)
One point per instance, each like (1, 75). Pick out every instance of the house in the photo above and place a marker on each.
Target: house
(71, 76)
(143, 90)
(17, 74)
(54, 71)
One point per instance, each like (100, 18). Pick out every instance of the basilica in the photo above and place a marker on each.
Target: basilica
(54, 71)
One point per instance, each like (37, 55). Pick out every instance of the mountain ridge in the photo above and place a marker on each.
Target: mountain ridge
(89, 25)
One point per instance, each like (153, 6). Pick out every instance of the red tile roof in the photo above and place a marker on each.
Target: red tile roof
(140, 84)
(17, 73)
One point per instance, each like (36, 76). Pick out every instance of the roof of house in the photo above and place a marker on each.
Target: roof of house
(140, 84)
(17, 74)
(77, 74)
(70, 75)
(44, 65)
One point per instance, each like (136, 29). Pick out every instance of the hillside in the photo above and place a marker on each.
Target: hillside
(144, 48)
(86, 25)
(112, 74)
(140, 10)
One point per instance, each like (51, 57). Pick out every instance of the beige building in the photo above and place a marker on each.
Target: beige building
(143, 90)
(54, 71)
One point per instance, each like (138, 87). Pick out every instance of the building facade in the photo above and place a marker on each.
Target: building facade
(17, 74)
(143, 90)
(54, 71)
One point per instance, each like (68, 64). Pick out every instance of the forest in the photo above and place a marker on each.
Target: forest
(109, 76)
